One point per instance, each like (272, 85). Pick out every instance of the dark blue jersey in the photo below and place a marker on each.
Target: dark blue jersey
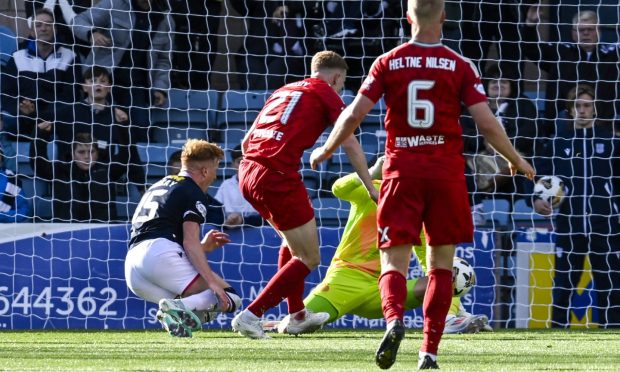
(165, 206)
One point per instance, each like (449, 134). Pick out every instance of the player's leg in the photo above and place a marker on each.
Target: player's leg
(371, 308)
(200, 299)
(605, 265)
(393, 289)
(294, 300)
(399, 220)
(442, 234)
(569, 260)
(458, 320)
(144, 288)
(303, 241)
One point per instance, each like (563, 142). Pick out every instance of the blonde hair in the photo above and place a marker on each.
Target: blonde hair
(197, 150)
(585, 16)
(425, 11)
(328, 59)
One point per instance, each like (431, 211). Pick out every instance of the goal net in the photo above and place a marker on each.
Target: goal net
(138, 78)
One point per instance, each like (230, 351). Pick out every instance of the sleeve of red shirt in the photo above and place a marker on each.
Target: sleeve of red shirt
(472, 90)
(372, 87)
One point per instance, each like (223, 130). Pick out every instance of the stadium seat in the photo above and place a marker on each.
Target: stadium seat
(156, 152)
(8, 44)
(42, 208)
(177, 133)
(240, 107)
(199, 106)
(497, 210)
(538, 98)
(312, 181)
(331, 211)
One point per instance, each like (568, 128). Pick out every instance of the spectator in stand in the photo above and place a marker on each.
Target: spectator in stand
(585, 61)
(274, 51)
(132, 39)
(174, 163)
(95, 116)
(64, 12)
(14, 206)
(37, 76)
(195, 41)
(359, 30)
(487, 22)
(83, 190)
(215, 209)
(586, 156)
(486, 171)
(237, 210)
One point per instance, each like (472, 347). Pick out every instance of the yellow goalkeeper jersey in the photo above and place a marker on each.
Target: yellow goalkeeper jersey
(358, 246)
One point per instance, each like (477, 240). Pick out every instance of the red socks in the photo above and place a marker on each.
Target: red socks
(436, 305)
(286, 281)
(295, 297)
(393, 288)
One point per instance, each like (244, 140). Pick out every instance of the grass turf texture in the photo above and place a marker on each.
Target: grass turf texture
(324, 351)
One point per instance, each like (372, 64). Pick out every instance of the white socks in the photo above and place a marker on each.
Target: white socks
(206, 300)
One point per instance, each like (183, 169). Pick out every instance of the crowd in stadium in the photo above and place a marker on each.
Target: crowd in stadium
(105, 69)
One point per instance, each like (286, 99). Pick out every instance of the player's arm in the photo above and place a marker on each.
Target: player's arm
(349, 188)
(195, 254)
(347, 122)
(358, 159)
(496, 136)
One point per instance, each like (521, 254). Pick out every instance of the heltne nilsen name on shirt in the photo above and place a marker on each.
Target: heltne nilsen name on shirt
(419, 62)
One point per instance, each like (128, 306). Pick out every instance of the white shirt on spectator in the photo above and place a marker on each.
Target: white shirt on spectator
(230, 196)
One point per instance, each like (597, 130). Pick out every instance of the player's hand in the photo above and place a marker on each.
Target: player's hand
(26, 107)
(524, 167)
(120, 115)
(100, 40)
(542, 207)
(318, 156)
(214, 239)
(224, 302)
(45, 126)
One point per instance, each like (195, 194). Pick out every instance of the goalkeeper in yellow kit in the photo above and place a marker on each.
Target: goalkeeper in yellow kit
(350, 285)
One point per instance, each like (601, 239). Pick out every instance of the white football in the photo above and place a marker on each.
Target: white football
(463, 277)
(550, 189)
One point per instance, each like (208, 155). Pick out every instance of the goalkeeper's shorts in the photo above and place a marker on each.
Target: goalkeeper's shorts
(352, 291)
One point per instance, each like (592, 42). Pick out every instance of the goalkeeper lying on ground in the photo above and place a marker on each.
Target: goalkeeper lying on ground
(350, 285)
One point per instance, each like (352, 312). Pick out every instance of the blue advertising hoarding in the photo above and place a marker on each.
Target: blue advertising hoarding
(71, 276)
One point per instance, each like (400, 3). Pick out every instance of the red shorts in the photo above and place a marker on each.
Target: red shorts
(279, 197)
(406, 204)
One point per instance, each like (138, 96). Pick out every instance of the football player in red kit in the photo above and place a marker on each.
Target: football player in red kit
(424, 84)
(291, 121)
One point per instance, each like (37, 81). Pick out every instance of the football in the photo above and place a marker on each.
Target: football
(463, 277)
(550, 189)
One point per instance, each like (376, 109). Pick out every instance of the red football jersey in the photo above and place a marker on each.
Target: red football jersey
(423, 85)
(292, 119)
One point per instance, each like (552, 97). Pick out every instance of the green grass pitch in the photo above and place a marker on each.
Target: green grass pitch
(327, 350)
